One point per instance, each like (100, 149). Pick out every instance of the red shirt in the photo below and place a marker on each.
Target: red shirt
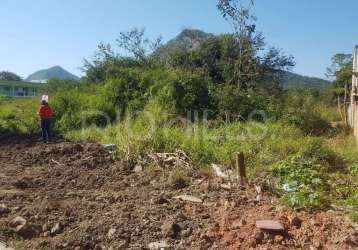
(45, 112)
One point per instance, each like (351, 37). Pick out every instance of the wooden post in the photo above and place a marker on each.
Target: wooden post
(240, 167)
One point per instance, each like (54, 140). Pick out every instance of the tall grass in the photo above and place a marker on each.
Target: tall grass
(19, 115)
(310, 164)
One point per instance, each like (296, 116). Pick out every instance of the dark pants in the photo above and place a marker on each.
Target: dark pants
(45, 128)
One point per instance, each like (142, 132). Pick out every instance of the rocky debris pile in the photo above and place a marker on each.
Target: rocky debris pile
(88, 155)
(65, 204)
(171, 160)
(24, 229)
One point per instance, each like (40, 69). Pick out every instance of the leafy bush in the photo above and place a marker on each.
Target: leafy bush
(299, 109)
(304, 182)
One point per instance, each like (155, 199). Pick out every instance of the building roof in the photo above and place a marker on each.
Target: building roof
(20, 84)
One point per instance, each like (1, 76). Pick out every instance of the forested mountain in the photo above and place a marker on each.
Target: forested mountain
(292, 80)
(187, 39)
(53, 72)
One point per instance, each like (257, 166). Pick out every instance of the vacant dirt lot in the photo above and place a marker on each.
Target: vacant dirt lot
(75, 196)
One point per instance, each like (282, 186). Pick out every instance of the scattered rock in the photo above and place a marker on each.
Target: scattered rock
(56, 229)
(171, 229)
(138, 168)
(46, 234)
(218, 172)
(4, 209)
(187, 232)
(225, 186)
(45, 227)
(111, 233)
(269, 225)
(110, 147)
(28, 231)
(279, 239)
(16, 209)
(295, 221)
(237, 224)
(259, 237)
(317, 243)
(17, 221)
(188, 198)
(158, 245)
(161, 199)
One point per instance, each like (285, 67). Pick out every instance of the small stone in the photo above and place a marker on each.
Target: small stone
(45, 227)
(161, 199)
(28, 231)
(158, 245)
(187, 232)
(138, 168)
(269, 225)
(111, 233)
(46, 234)
(188, 198)
(170, 229)
(56, 229)
(4, 209)
(295, 221)
(259, 237)
(243, 222)
(279, 239)
(225, 186)
(317, 243)
(236, 225)
(17, 221)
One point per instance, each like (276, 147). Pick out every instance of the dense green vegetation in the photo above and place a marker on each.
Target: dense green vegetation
(210, 101)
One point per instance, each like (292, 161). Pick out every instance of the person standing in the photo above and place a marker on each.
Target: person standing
(45, 114)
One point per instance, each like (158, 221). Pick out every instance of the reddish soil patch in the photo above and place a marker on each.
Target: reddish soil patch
(75, 196)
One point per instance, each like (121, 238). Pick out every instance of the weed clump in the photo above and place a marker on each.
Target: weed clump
(303, 182)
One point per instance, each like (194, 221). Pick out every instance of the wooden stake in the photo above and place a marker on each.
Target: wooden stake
(240, 166)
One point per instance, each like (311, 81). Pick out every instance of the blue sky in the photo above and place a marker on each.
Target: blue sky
(42, 33)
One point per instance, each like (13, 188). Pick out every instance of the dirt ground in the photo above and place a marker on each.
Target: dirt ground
(69, 195)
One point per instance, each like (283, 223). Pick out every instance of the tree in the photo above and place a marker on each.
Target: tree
(137, 45)
(341, 71)
(9, 76)
(248, 65)
(339, 61)
(238, 13)
(134, 51)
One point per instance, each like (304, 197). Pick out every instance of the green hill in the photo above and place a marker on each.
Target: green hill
(188, 39)
(53, 72)
(292, 80)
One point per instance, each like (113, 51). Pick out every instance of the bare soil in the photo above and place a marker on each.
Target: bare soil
(75, 196)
